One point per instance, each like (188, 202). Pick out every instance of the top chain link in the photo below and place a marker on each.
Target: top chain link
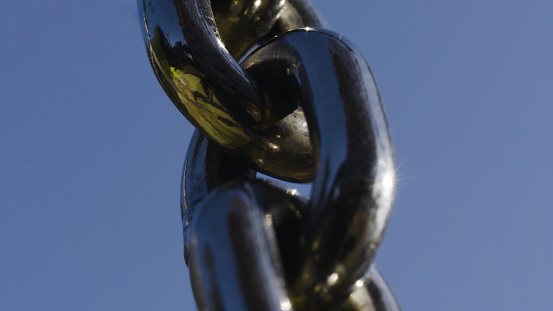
(303, 107)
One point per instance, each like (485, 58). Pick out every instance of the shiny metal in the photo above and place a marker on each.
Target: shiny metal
(279, 213)
(354, 186)
(212, 91)
(234, 262)
(371, 293)
(206, 167)
(241, 23)
(299, 14)
(229, 221)
(302, 107)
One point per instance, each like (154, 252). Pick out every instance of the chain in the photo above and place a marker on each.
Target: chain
(303, 107)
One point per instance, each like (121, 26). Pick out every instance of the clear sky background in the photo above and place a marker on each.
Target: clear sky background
(92, 150)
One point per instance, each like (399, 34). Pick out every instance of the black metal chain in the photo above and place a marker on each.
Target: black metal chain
(302, 106)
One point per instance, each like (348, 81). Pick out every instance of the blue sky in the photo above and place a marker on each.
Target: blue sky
(92, 151)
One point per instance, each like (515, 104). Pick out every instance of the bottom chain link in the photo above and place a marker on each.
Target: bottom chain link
(243, 237)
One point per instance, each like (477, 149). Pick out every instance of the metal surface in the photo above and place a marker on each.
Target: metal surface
(213, 92)
(242, 22)
(302, 106)
(277, 207)
(353, 189)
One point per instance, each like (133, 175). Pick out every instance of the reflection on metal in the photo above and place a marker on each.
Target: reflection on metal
(214, 93)
(303, 106)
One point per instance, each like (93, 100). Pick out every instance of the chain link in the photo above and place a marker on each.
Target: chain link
(302, 106)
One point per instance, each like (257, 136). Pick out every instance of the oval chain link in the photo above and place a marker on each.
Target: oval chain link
(304, 107)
